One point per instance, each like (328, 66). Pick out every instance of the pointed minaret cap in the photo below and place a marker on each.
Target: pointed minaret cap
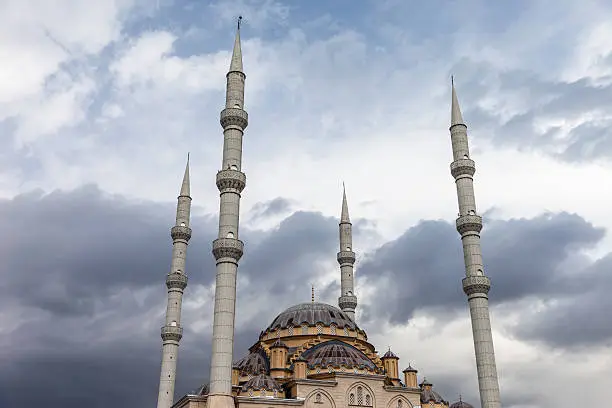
(344, 216)
(185, 190)
(236, 64)
(456, 117)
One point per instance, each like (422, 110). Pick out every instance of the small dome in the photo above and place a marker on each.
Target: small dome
(429, 395)
(390, 354)
(409, 369)
(254, 363)
(261, 382)
(461, 404)
(335, 353)
(311, 314)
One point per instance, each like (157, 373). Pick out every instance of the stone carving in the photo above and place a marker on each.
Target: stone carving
(469, 223)
(180, 232)
(228, 248)
(476, 284)
(176, 280)
(234, 117)
(463, 167)
(171, 333)
(346, 257)
(230, 179)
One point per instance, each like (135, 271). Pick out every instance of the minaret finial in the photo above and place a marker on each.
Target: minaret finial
(312, 292)
(239, 21)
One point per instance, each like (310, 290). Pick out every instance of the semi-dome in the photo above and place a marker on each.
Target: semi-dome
(261, 382)
(311, 314)
(254, 363)
(461, 404)
(335, 353)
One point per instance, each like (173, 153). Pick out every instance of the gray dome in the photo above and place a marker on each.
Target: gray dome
(311, 314)
(335, 353)
(254, 363)
(429, 395)
(261, 382)
(461, 404)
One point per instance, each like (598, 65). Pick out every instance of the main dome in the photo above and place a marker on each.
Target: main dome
(312, 313)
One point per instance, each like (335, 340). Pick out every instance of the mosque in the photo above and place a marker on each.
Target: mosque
(312, 355)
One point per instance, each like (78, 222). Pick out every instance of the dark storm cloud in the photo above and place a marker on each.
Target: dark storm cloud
(423, 269)
(82, 295)
(548, 100)
(266, 209)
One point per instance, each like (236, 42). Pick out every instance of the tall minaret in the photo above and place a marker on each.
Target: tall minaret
(475, 285)
(227, 248)
(346, 258)
(176, 281)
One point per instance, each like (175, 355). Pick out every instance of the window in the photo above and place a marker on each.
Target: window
(367, 400)
(332, 329)
(346, 333)
(399, 404)
(351, 399)
(318, 398)
(359, 396)
(290, 330)
(319, 329)
(305, 329)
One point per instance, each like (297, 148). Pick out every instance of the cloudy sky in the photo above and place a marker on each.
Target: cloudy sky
(100, 102)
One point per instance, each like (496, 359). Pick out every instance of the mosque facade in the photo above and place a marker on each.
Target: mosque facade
(312, 355)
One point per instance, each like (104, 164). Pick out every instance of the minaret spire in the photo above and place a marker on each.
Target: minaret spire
(236, 64)
(227, 248)
(346, 258)
(176, 281)
(475, 285)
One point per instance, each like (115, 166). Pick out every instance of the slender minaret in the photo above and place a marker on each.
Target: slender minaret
(176, 281)
(346, 258)
(475, 285)
(227, 248)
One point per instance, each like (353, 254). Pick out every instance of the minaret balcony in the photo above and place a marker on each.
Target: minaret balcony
(227, 248)
(347, 302)
(463, 167)
(176, 280)
(180, 232)
(469, 223)
(479, 284)
(231, 180)
(234, 117)
(172, 333)
(346, 257)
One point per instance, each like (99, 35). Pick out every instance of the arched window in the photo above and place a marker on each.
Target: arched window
(351, 399)
(332, 329)
(399, 403)
(367, 401)
(305, 329)
(346, 332)
(290, 330)
(359, 395)
(318, 398)
(319, 329)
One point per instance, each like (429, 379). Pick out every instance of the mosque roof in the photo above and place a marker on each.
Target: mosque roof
(390, 354)
(254, 363)
(461, 404)
(335, 353)
(261, 382)
(312, 313)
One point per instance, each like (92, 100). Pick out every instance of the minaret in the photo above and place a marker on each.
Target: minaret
(176, 281)
(346, 258)
(227, 248)
(475, 285)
